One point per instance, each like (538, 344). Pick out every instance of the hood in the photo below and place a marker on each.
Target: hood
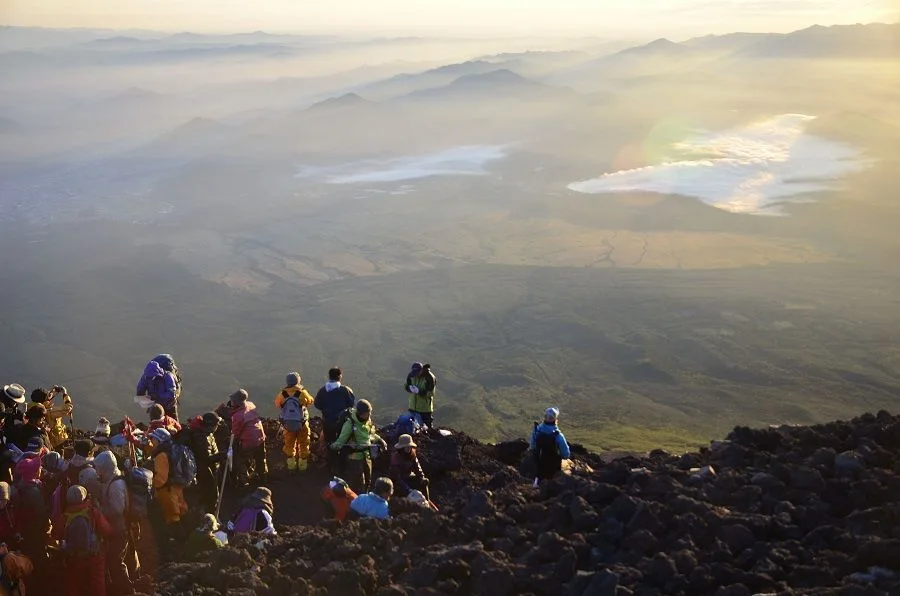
(153, 369)
(28, 469)
(332, 385)
(106, 465)
(547, 427)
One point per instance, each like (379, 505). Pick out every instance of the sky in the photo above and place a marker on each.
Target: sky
(514, 17)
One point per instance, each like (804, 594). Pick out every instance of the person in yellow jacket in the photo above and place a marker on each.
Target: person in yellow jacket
(293, 402)
(55, 414)
(170, 496)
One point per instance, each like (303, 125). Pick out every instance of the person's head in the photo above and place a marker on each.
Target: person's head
(363, 410)
(261, 498)
(35, 413)
(335, 374)
(83, 447)
(292, 379)
(158, 437)
(405, 443)
(40, 395)
(551, 415)
(5, 494)
(13, 395)
(90, 479)
(53, 463)
(106, 465)
(76, 495)
(208, 523)
(383, 487)
(211, 421)
(155, 412)
(239, 398)
(416, 369)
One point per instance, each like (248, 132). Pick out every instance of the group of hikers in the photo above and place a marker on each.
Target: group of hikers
(108, 506)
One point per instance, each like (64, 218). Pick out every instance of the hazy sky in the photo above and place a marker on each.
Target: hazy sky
(598, 17)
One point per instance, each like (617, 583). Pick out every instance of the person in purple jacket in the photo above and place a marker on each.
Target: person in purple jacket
(161, 386)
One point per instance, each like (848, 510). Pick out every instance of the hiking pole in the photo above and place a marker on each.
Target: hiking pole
(224, 476)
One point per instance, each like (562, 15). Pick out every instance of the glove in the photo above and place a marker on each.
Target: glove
(414, 389)
(335, 447)
(383, 444)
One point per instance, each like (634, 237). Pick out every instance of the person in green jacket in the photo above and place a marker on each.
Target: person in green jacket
(204, 537)
(358, 435)
(420, 384)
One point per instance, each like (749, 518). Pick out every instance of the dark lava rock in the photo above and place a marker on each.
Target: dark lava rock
(661, 569)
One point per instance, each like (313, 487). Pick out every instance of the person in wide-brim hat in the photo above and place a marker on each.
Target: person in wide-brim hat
(404, 441)
(14, 393)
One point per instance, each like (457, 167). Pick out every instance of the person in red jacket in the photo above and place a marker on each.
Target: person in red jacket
(82, 535)
(337, 497)
(250, 438)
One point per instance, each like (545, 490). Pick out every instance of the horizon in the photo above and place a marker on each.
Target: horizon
(578, 19)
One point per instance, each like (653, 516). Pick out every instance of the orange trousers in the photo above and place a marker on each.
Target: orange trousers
(296, 444)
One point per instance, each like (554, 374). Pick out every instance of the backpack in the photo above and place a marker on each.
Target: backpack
(139, 484)
(293, 415)
(246, 520)
(546, 452)
(182, 465)
(81, 534)
(168, 364)
(408, 424)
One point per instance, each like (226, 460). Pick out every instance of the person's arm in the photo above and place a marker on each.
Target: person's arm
(101, 523)
(563, 446)
(417, 468)
(160, 470)
(142, 386)
(408, 383)
(237, 424)
(319, 400)
(171, 384)
(117, 501)
(430, 383)
(279, 400)
(397, 474)
(349, 398)
(534, 434)
(306, 399)
(268, 524)
(342, 439)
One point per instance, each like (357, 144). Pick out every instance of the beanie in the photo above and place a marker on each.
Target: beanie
(239, 397)
(76, 495)
(551, 414)
(292, 379)
(363, 407)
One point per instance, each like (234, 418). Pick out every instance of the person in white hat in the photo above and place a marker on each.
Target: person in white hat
(549, 446)
(406, 471)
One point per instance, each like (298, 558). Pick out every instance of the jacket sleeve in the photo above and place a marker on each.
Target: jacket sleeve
(397, 475)
(346, 431)
(237, 424)
(142, 386)
(320, 399)
(430, 383)
(417, 468)
(408, 383)
(160, 470)
(534, 434)
(305, 398)
(101, 523)
(563, 446)
(169, 393)
(349, 398)
(279, 400)
(117, 500)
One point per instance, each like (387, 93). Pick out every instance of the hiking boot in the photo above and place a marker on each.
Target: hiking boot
(302, 465)
(291, 464)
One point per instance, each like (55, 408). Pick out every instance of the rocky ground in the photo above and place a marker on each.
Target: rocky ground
(787, 510)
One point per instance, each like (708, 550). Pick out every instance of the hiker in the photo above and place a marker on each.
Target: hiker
(337, 496)
(10, 533)
(406, 471)
(32, 514)
(31, 436)
(292, 401)
(548, 446)
(81, 460)
(113, 504)
(420, 384)
(204, 538)
(159, 419)
(82, 539)
(161, 386)
(54, 415)
(250, 438)
(54, 484)
(102, 433)
(374, 504)
(11, 398)
(206, 453)
(255, 515)
(357, 436)
(90, 479)
(333, 399)
(169, 495)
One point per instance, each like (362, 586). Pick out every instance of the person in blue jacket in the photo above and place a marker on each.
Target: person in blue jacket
(374, 504)
(161, 386)
(548, 445)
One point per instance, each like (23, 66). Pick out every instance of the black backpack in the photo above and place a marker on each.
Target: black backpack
(546, 451)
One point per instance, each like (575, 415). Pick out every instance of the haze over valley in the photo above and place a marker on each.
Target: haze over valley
(665, 238)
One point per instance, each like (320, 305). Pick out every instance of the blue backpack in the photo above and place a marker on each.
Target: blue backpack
(408, 424)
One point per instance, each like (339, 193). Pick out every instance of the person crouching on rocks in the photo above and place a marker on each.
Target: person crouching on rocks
(337, 497)
(358, 436)
(549, 446)
(204, 538)
(375, 503)
(406, 471)
(293, 402)
(255, 515)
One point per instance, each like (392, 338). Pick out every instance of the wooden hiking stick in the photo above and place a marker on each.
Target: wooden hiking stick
(224, 477)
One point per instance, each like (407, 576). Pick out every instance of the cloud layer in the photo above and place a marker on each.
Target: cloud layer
(743, 170)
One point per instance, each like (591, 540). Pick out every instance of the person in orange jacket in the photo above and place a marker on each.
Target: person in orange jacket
(170, 496)
(337, 496)
(293, 402)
